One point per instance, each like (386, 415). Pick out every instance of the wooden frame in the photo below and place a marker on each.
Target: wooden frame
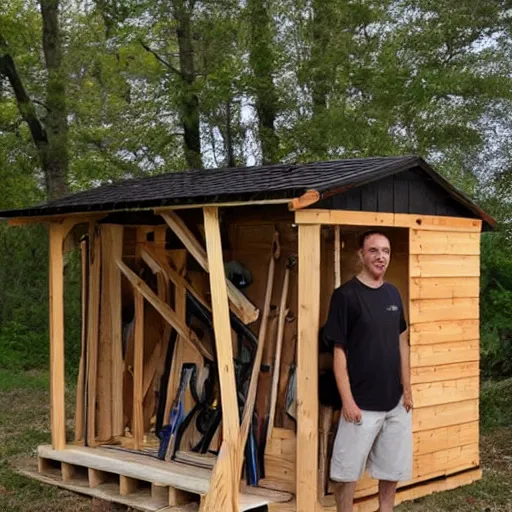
(443, 262)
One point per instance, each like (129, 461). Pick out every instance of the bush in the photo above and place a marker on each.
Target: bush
(496, 404)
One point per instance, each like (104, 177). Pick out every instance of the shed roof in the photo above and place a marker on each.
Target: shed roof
(276, 181)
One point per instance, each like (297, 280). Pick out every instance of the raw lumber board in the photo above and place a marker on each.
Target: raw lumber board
(445, 353)
(428, 333)
(435, 440)
(433, 310)
(444, 242)
(444, 287)
(436, 416)
(445, 372)
(434, 265)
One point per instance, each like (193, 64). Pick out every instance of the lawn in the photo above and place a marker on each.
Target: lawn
(24, 424)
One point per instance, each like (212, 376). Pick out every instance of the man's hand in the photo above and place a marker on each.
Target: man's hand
(408, 404)
(351, 412)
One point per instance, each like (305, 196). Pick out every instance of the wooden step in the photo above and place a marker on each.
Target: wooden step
(142, 482)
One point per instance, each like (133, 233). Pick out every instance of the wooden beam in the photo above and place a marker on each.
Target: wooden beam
(67, 222)
(167, 313)
(307, 199)
(158, 261)
(114, 287)
(81, 380)
(93, 311)
(57, 384)
(307, 367)
(397, 220)
(138, 372)
(241, 305)
(223, 493)
(261, 202)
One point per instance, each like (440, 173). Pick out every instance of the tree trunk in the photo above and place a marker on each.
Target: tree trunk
(319, 62)
(189, 100)
(262, 63)
(56, 152)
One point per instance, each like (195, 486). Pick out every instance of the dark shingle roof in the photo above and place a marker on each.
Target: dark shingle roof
(234, 184)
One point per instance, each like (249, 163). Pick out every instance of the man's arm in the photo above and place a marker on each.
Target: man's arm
(405, 363)
(350, 410)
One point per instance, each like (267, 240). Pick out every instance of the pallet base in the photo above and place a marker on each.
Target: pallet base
(138, 481)
(371, 504)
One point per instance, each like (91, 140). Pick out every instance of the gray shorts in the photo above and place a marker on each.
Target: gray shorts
(381, 443)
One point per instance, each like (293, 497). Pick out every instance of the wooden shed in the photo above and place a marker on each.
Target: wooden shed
(203, 293)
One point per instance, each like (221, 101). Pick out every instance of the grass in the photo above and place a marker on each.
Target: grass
(24, 424)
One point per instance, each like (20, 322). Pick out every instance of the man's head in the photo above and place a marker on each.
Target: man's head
(374, 253)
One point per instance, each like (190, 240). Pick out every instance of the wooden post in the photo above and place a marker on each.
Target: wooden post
(223, 493)
(307, 367)
(110, 357)
(93, 311)
(138, 369)
(57, 385)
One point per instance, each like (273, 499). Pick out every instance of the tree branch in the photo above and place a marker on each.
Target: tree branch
(25, 105)
(161, 59)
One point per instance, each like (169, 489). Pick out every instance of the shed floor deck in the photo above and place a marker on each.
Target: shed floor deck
(142, 482)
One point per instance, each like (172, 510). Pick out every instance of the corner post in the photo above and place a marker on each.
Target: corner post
(56, 303)
(307, 367)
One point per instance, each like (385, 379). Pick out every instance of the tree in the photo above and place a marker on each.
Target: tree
(50, 135)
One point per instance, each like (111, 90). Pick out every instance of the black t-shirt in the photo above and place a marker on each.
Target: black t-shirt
(367, 323)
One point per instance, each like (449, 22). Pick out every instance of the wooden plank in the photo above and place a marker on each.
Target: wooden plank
(110, 297)
(307, 199)
(399, 220)
(436, 416)
(167, 313)
(164, 209)
(127, 485)
(445, 353)
(446, 461)
(116, 252)
(437, 223)
(444, 287)
(444, 242)
(96, 477)
(344, 217)
(433, 265)
(443, 392)
(435, 440)
(223, 494)
(445, 372)
(441, 332)
(56, 306)
(80, 387)
(434, 310)
(68, 471)
(420, 490)
(138, 372)
(241, 306)
(93, 311)
(307, 367)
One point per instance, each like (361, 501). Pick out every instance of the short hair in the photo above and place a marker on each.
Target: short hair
(368, 234)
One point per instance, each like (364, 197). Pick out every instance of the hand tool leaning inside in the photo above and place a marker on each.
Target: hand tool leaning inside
(169, 432)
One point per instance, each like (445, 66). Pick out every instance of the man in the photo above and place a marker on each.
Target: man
(367, 328)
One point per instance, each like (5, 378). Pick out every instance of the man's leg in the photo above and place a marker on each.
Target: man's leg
(387, 491)
(344, 496)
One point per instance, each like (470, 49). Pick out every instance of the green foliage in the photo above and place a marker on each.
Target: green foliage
(496, 404)
(496, 304)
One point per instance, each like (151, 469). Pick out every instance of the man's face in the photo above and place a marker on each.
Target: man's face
(375, 255)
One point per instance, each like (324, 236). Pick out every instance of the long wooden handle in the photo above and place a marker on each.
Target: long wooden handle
(279, 345)
(251, 394)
